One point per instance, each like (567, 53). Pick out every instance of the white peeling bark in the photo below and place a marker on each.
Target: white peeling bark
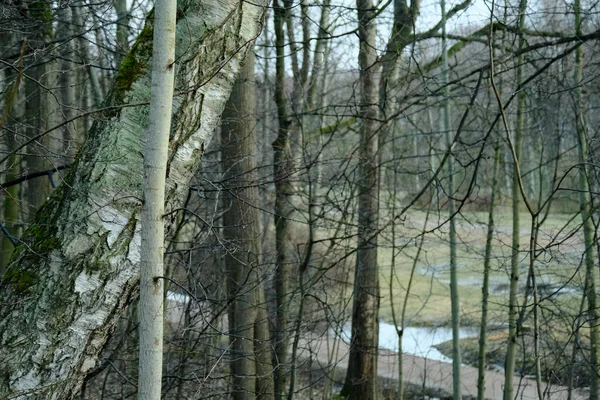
(78, 265)
(153, 229)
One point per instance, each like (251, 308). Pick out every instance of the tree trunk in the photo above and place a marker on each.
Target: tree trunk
(283, 165)
(37, 109)
(156, 151)
(454, 297)
(10, 205)
(84, 55)
(78, 265)
(361, 376)
(251, 367)
(122, 30)
(513, 307)
(265, 389)
(482, 364)
(67, 82)
(12, 168)
(585, 203)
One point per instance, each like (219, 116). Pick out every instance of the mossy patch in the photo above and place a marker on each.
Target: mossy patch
(20, 279)
(137, 60)
(41, 236)
(137, 63)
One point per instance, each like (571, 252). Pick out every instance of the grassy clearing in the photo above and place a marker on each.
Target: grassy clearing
(429, 301)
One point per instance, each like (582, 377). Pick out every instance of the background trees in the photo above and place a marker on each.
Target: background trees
(346, 161)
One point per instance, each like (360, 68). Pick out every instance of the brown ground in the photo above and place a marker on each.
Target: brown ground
(437, 374)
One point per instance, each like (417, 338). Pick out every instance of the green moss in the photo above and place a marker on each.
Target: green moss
(41, 235)
(41, 13)
(96, 261)
(126, 236)
(136, 62)
(21, 279)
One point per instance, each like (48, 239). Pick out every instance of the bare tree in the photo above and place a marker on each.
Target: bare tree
(361, 378)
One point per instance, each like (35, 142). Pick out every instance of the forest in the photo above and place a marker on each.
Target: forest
(299, 199)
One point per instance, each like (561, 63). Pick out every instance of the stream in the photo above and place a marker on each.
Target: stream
(417, 341)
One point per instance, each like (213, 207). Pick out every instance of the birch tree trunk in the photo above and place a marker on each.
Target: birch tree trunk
(361, 376)
(77, 267)
(152, 249)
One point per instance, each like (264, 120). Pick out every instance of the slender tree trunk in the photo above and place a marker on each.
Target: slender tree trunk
(319, 56)
(84, 55)
(361, 377)
(122, 30)
(156, 151)
(454, 297)
(513, 307)
(78, 265)
(12, 168)
(316, 87)
(401, 324)
(37, 109)
(262, 346)
(482, 364)
(585, 202)
(66, 81)
(11, 214)
(100, 50)
(284, 207)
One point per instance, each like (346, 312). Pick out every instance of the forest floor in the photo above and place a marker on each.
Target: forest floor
(432, 374)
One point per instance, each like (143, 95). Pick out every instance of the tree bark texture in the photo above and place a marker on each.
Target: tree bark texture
(77, 267)
(283, 166)
(67, 83)
(361, 377)
(242, 235)
(585, 202)
(156, 151)
(513, 307)
(38, 25)
(13, 108)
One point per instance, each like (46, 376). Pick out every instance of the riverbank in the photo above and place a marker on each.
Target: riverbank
(429, 374)
(556, 365)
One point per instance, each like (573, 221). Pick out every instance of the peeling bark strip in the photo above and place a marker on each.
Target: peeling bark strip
(78, 265)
